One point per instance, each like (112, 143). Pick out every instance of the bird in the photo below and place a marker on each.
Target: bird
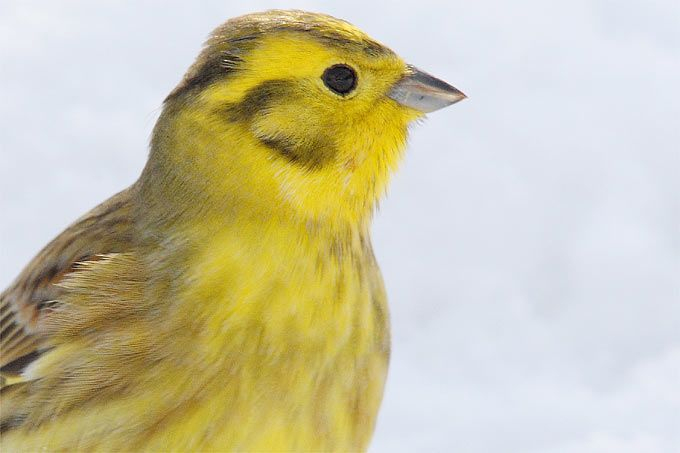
(229, 299)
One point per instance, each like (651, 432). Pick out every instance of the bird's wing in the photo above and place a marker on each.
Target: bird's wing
(26, 304)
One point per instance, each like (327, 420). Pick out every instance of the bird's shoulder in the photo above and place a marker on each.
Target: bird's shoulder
(77, 259)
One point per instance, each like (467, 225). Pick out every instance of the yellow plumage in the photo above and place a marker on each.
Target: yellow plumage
(229, 300)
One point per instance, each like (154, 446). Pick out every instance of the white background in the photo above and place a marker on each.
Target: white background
(529, 242)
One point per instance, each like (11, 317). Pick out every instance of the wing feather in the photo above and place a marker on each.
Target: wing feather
(26, 304)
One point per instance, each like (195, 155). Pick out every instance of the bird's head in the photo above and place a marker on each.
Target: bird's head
(292, 113)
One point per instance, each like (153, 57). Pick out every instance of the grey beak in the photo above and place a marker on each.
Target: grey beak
(421, 91)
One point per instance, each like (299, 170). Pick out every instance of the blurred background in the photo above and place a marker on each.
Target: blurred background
(530, 242)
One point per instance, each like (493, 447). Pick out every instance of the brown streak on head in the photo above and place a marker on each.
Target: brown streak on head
(228, 45)
(258, 99)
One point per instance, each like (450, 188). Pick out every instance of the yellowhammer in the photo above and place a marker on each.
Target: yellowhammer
(229, 299)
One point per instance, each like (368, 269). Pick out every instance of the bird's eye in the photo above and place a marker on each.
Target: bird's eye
(340, 78)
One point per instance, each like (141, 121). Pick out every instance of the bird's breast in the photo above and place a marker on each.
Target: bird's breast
(293, 335)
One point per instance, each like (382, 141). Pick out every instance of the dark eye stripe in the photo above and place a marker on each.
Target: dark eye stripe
(259, 98)
(340, 78)
(312, 153)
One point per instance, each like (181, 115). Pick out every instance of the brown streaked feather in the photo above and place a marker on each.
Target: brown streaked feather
(78, 375)
(26, 303)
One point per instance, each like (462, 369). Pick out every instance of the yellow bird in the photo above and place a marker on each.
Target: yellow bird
(229, 300)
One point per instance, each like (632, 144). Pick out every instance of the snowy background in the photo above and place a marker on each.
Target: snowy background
(530, 242)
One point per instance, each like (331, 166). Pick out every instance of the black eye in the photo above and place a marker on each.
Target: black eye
(340, 78)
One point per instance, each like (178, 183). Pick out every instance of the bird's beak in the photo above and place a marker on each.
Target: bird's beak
(421, 91)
